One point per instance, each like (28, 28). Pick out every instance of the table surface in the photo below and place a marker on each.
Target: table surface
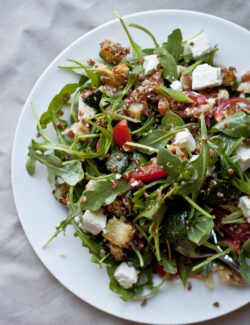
(32, 34)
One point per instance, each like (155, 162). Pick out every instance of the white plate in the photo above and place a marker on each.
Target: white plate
(40, 213)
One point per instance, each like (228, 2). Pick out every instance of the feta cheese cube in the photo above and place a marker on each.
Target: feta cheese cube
(184, 139)
(199, 45)
(244, 153)
(176, 85)
(206, 76)
(94, 221)
(126, 275)
(244, 205)
(85, 111)
(150, 63)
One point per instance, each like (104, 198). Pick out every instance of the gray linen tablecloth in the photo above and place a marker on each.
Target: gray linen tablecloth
(32, 33)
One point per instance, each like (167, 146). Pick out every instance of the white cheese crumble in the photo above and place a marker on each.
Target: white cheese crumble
(184, 139)
(244, 205)
(85, 111)
(244, 153)
(199, 45)
(77, 219)
(150, 63)
(206, 76)
(118, 176)
(94, 221)
(176, 85)
(126, 275)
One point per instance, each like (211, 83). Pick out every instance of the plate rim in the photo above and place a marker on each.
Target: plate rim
(140, 13)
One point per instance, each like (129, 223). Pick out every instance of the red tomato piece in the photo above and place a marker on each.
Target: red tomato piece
(158, 269)
(235, 244)
(230, 107)
(197, 98)
(121, 134)
(148, 173)
(237, 231)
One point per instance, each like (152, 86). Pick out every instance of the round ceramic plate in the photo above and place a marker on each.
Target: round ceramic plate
(39, 212)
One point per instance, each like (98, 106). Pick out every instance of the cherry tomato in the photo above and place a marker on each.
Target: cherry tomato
(230, 107)
(237, 231)
(235, 244)
(197, 98)
(122, 134)
(158, 269)
(162, 107)
(147, 173)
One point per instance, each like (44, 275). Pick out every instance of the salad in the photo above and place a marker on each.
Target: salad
(153, 162)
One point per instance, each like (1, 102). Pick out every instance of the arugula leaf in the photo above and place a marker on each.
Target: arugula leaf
(174, 44)
(104, 192)
(145, 30)
(71, 173)
(30, 166)
(56, 104)
(74, 211)
(168, 63)
(200, 228)
(197, 168)
(242, 184)
(137, 51)
(168, 266)
(237, 125)
(192, 67)
(244, 267)
(171, 163)
(170, 120)
(176, 95)
(89, 241)
(156, 139)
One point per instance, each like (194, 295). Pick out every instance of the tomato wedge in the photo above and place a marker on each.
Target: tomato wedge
(197, 98)
(237, 231)
(148, 173)
(158, 269)
(121, 135)
(230, 107)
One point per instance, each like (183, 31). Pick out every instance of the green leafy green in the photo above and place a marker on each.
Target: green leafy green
(176, 95)
(174, 44)
(171, 163)
(53, 112)
(168, 63)
(237, 125)
(145, 30)
(168, 266)
(71, 173)
(137, 51)
(104, 192)
(170, 120)
(192, 67)
(244, 265)
(156, 139)
(200, 228)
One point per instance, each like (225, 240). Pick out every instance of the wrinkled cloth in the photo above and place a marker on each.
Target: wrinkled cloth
(32, 34)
